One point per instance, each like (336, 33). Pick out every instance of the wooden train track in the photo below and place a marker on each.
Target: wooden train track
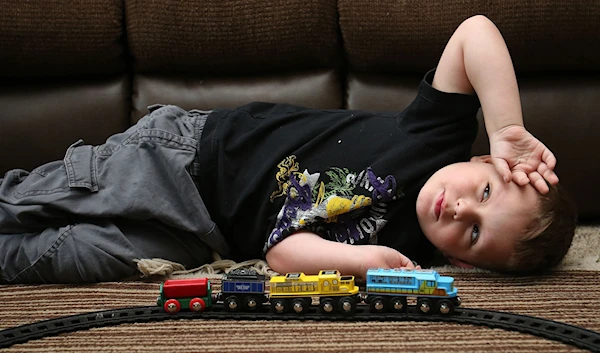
(569, 334)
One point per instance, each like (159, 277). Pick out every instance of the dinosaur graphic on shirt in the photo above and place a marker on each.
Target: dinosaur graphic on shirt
(343, 206)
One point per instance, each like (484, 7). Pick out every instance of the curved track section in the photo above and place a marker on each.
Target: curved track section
(548, 329)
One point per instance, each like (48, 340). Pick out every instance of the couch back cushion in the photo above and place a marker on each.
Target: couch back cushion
(207, 54)
(63, 76)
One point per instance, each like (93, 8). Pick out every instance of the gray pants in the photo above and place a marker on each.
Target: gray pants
(85, 218)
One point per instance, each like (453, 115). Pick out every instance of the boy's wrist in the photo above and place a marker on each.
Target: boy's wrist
(350, 259)
(504, 130)
(507, 126)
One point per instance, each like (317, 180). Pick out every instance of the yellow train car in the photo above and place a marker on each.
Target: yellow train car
(295, 291)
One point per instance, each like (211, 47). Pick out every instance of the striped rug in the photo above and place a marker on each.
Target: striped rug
(571, 297)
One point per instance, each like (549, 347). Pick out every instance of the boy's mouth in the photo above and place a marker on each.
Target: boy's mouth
(438, 205)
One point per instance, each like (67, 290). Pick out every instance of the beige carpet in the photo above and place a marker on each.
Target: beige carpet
(571, 295)
(585, 250)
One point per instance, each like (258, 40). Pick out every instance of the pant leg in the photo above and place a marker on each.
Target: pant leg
(140, 175)
(94, 250)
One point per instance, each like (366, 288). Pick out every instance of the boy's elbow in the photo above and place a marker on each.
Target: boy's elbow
(479, 20)
(276, 259)
(478, 24)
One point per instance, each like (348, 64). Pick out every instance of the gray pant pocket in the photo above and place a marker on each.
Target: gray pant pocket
(81, 166)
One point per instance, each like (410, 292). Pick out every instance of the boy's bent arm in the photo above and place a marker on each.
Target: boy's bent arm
(307, 252)
(476, 59)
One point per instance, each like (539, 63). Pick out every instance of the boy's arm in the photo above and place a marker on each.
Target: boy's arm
(476, 59)
(309, 253)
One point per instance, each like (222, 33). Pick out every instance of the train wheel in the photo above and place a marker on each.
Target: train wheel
(252, 304)
(327, 305)
(398, 304)
(300, 305)
(445, 306)
(172, 306)
(197, 304)
(232, 303)
(377, 305)
(279, 306)
(347, 305)
(424, 305)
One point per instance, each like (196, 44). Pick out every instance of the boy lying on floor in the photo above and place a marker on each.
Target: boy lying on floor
(307, 189)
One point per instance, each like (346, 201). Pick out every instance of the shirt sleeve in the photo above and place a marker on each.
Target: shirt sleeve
(445, 122)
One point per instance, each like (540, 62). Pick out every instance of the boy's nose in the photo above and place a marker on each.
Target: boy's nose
(464, 210)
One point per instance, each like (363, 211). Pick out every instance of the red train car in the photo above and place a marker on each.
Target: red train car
(193, 294)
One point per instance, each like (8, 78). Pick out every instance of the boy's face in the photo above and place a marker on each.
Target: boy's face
(472, 215)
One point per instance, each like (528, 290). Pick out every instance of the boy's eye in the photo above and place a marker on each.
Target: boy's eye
(486, 192)
(474, 234)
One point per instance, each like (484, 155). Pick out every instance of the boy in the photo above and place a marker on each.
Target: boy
(308, 189)
(475, 213)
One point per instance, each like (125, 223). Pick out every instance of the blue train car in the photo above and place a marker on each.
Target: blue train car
(243, 286)
(388, 289)
(243, 290)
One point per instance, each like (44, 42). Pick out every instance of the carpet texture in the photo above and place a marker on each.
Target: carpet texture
(570, 295)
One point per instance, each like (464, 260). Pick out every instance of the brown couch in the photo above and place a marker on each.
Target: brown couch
(87, 69)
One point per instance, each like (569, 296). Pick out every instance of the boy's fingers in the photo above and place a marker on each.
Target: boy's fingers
(483, 159)
(405, 262)
(542, 168)
(408, 263)
(520, 177)
(503, 169)
(551, 177)
(538, 182)
(549, 158)
(548, 174)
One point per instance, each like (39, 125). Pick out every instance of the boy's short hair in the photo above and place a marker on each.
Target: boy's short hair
(548, 236)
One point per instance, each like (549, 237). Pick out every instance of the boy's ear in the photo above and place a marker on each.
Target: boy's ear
(458, 263)
(482, 159)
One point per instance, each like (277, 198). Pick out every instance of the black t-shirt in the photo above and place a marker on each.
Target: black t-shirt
(269, 170)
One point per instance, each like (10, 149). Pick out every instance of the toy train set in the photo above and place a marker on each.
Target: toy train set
(387, 290)
(245, 295)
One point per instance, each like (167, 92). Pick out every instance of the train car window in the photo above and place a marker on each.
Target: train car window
(405, 280)
(292, 275)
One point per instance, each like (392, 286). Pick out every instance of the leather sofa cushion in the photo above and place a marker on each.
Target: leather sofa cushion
(214, 37)
(409, 36)
(61, 38)
(40, 120)
(313, 88)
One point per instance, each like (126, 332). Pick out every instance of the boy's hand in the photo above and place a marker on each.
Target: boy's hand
(520, 157)
(379, 256)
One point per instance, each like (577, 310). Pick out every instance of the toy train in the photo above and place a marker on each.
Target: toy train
(386, 290)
